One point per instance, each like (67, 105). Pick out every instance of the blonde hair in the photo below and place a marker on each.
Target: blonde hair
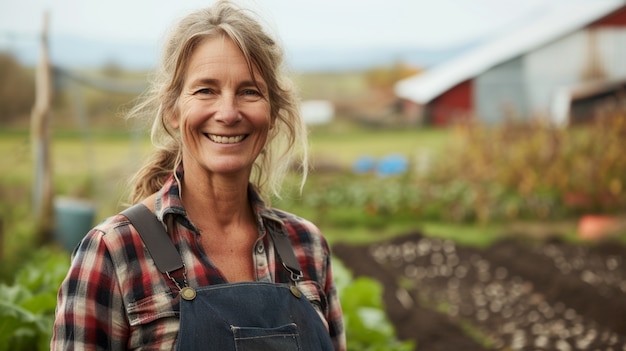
(287, 138)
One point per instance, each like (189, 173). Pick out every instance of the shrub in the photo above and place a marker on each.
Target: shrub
(527, 171)
(27, 307)
(548, 170)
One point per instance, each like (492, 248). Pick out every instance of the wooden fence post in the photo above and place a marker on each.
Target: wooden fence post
(40, 139)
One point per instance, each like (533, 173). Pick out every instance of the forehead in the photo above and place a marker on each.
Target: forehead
(218, 56)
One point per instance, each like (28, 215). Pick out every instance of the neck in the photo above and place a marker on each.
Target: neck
(226, 200)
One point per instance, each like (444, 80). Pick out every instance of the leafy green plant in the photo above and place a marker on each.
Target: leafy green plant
(367, 326)
(27, 306)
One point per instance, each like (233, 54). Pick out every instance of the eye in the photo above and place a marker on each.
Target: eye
(251, 92)
(203, 91)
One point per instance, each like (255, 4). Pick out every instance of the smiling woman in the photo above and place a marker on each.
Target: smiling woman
(223, 114)
(229, 271)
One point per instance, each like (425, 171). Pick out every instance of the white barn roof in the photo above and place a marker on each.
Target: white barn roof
(555, 23)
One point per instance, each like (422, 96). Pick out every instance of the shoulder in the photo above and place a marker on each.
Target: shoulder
(306, 238)
(114, 229)
(114, 237)
(114, 247)
(293, 219)
(296, 225)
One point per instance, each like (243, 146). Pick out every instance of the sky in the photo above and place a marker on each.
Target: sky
(299, 24)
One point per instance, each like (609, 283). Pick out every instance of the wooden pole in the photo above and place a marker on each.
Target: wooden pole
(40, 139)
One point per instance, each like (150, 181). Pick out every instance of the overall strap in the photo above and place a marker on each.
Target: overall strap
(286, 255)
(166, 257)
(163, 252)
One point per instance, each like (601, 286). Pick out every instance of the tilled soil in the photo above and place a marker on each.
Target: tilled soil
(514, 295)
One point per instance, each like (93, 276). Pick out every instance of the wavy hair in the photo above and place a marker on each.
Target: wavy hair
(286, 144)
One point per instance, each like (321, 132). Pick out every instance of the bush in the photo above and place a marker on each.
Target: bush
(542, 171)
(27, 307)
(512, 171)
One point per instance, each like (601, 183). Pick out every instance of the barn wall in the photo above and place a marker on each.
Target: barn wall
(612, 49)
(454, 104)
(500, 91)
(583, 56)
(556, 65)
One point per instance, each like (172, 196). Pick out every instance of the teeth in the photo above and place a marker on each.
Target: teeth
(226, 139)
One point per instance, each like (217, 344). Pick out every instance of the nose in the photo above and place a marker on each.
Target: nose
(227, 111)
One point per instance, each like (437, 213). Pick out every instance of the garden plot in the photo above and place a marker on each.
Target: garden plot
(514, 295)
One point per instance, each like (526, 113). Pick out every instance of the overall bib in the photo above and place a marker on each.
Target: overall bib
(246, 316)
(250, 316)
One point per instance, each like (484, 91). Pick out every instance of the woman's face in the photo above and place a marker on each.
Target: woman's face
(223, 116)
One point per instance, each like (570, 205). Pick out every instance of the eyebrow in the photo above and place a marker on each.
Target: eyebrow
(204, 81)
(246, 83)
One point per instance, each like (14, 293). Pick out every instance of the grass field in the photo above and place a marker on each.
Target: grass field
(344, 144)
(104, 160)
(97, 166)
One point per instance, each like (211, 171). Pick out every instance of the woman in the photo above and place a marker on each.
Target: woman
(226, 127)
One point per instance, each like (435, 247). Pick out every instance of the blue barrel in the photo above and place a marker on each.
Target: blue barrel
(74, 218)
(364, 164)
(392, 165)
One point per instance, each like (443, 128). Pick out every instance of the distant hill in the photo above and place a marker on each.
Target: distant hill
(76, 52)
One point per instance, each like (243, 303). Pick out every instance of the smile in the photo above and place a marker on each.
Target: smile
(226, 139)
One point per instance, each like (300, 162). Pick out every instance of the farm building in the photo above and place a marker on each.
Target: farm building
(558, 66)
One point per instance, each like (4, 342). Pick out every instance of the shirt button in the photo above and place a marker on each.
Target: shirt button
(260, 248)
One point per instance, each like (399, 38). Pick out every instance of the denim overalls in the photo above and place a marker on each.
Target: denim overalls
(247, 316)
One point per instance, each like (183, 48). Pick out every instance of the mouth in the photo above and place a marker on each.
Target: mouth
(223, 139)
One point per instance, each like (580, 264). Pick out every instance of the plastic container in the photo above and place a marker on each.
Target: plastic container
(74, 218)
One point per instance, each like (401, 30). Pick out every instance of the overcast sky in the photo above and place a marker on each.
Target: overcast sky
(302, 25)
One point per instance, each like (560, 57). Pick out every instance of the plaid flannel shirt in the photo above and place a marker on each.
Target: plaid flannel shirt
(114, 297)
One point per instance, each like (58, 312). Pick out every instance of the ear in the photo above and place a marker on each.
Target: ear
(173, 117)
(174, 121)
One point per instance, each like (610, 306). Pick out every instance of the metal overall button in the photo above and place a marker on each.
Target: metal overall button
(260, 248)
(188, 293)
(295, 291)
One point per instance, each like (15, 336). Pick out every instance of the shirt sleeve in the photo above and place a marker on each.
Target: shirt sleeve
(335, 314)
(90, 314)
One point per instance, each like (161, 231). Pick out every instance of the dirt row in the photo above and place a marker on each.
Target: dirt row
(514, 295)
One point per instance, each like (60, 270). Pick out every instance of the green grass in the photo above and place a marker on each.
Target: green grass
(346, 143)
(96, 166)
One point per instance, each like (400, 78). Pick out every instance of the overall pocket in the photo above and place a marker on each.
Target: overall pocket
(261, 339)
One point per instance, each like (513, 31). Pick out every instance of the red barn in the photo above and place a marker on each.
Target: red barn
(555, 67)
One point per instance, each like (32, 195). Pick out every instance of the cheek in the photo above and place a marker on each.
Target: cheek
(183, 116)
